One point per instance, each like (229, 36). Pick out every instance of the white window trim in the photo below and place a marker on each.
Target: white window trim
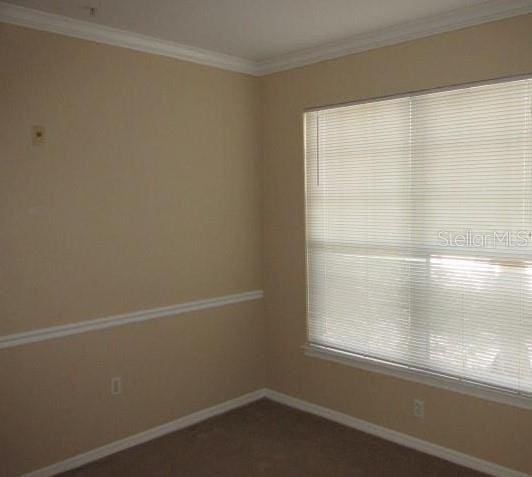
(417, 376)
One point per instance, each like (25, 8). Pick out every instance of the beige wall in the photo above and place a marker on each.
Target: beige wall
(484, 429)
(55, 399)
(145, 194)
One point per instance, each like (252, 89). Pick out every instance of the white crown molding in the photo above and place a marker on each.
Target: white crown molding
(40, 20)
(454, 20)
(364, 426)
(43, 334)
(394, 436)
(142, 437)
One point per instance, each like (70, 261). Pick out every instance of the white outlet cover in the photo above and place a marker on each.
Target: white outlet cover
(419, 408)
(116, 386)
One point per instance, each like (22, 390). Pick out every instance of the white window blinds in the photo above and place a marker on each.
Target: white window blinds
(419, 221)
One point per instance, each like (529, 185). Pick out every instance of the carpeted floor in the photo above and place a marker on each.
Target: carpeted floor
(268, 439)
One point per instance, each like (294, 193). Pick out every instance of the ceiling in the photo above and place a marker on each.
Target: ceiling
(255, 36)
(252, 29)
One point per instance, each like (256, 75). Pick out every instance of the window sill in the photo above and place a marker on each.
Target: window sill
(439, 381)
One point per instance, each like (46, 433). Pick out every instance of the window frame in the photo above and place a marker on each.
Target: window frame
(381, 366)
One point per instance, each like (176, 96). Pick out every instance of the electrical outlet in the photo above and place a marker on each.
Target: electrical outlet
(116, 386)
(419, 408)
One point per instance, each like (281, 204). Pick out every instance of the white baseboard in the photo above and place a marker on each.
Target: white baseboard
(349, 421)
(140, 438)
(394, 436)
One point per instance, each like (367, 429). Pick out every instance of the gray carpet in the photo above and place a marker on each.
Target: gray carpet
(268, 439)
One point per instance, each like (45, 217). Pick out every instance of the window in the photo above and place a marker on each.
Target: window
(419, 233)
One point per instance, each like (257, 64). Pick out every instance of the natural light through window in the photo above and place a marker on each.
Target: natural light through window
(419, 232)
